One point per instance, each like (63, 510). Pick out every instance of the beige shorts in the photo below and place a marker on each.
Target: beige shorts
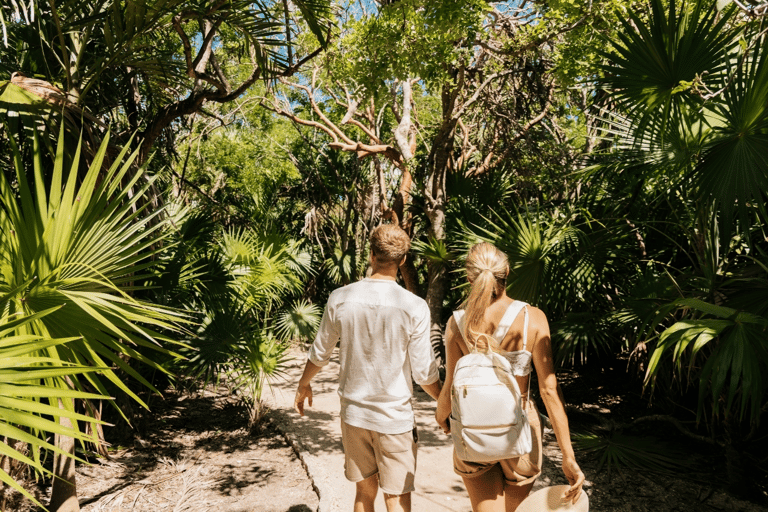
(392, 456)
(519, 471)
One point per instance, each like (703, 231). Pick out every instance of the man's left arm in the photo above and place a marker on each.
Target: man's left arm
(423, 362)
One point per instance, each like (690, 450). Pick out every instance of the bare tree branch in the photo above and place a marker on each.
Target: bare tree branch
(492, 160)
(404, 131)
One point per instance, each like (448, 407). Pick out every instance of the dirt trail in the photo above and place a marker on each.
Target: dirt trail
(195, 455)
(200, 458)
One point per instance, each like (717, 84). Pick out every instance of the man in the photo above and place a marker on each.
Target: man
(383, 334)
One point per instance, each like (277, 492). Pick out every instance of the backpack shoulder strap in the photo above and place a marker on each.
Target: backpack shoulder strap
(509, 317)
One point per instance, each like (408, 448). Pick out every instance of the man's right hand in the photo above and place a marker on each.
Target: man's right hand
(304, 392)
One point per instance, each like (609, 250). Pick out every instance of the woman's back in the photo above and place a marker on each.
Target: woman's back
(507, 321)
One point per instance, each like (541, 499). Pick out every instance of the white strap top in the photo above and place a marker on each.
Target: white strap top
(520, 360)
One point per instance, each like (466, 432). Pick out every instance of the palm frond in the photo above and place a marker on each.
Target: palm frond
(31, 388)
(722, 349)
(299, 321)
(656, 62)
(734, 165)
(619, 450)
(82, 241)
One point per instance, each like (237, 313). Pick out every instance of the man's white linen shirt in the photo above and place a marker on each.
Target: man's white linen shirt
(384, 341)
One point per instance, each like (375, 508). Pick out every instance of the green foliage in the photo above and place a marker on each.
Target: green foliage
(80, 246)
(689, 85)
(721, 348)
(136, 66)
(570, 267)
(266, 266)
(654, 65)
(340, 265)
(300, 321)
(68, 256)
(435, 251)
(235, 283)
(408, 38)
(576, 59)
(697, 99)
(615, 450)
(30, 392)
(240, 166)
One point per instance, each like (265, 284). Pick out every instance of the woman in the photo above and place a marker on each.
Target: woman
(502, 485)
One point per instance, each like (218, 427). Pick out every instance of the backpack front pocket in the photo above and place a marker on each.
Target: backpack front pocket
(490, 444)
(486, 406)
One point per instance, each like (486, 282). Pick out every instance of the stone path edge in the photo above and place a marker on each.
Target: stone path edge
(301, 453)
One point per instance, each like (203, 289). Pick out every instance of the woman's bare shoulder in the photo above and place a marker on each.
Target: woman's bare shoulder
(451, 329)
(536, 313)
(538, 320)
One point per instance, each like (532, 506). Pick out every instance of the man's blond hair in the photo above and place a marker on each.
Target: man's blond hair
(389, 243)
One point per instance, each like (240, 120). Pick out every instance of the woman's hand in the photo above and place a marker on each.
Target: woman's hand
(575, 477)
(443, 411)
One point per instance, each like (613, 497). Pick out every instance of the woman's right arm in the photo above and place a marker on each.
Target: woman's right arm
(553, 400)
(452, 354)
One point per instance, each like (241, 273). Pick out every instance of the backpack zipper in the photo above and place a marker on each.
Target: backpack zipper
(464, 387)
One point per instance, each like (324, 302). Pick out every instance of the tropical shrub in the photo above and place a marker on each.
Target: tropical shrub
(73, 246)
(686, 127)
(237, 284)
(29, 397)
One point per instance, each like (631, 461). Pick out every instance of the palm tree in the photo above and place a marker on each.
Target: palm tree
(576, 270)
(689, 90)
(694, 81)
(239, 284)
(28, 379)
(74, 251)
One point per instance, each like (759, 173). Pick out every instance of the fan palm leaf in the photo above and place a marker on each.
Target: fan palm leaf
(734, 165)
(572, 268)
(724, 350)
(694, 84)
(266, 266)
(300, 320)
(81, 245)
(616, 449)
(655, 62)
(31, 386)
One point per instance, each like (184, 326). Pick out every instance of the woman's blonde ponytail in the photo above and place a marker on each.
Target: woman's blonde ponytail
(487, 270)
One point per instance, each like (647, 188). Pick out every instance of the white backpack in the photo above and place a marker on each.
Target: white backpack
(488, 422)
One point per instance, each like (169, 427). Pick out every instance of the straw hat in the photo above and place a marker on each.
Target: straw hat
(549, 499)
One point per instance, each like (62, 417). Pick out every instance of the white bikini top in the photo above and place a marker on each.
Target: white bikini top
(520, 360)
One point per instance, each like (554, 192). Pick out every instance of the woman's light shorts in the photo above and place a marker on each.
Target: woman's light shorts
(519, 471)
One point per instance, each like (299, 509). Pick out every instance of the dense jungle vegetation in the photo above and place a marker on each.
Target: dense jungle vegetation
(185, 181)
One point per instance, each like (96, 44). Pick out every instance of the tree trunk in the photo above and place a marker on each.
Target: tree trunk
(439, 164)
(741, 476)
(410, 276)
(437, 284)
(64, 487)
(5, 465)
